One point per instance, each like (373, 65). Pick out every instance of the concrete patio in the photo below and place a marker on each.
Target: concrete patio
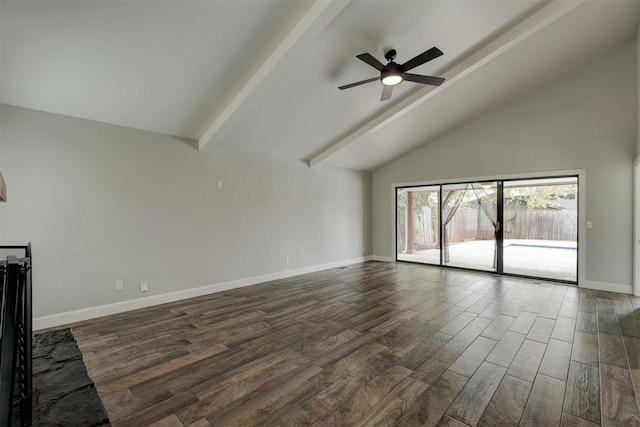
(551, 259)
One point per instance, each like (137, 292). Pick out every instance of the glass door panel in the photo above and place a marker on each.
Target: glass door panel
(469, 218)
(541, 228)
(418, 224)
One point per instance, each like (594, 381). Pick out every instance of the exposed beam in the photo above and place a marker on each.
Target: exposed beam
(319, 15)
(507, 41)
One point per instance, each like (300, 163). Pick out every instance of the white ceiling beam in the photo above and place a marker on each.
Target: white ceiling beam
(510, 39)
(319, 15)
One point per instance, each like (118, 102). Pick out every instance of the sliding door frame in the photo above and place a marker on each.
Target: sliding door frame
(579, 173)
(500, 230)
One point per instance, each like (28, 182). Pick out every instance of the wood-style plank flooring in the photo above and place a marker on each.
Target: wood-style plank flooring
(373, 344)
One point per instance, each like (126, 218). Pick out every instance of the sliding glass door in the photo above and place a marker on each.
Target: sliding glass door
(525, 227)
(469, 225)
(418, 224)
(541, 228)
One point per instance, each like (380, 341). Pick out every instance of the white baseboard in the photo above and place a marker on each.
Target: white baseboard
(382, 258)
(60, 319)
(603, 286)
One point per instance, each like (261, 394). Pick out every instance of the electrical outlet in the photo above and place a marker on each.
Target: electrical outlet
(119, 285)
(144, 286)
(589, 224)
(219, 184)
(286, 260)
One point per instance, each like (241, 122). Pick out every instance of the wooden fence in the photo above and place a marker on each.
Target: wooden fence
(541, 224)
(472, 224)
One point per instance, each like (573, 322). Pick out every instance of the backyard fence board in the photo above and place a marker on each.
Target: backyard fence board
(473, 224)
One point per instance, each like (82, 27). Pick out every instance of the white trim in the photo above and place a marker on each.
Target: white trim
(603, 286)
(382, 258)
(394, 220)
(582, 204)
(60, 319)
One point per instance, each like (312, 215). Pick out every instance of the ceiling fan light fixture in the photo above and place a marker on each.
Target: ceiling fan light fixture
(392, 79)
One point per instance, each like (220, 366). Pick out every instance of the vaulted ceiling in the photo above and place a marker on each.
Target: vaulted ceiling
(263, 74)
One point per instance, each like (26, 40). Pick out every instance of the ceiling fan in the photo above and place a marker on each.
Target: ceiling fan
(393, 74)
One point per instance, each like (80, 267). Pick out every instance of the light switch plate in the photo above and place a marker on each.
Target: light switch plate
(144, 286)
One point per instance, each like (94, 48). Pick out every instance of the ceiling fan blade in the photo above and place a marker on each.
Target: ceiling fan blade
(386, 92)
(369, 59)
(426, 56)
(427, 80)
(358, 83)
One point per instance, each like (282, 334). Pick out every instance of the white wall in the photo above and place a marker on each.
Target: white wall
(1, 132)
(636, 187)
(637, 44)
(584, 120)
(102, 203)
(1, 169)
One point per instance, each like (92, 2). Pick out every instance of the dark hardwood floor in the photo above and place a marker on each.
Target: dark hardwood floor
(373, 344)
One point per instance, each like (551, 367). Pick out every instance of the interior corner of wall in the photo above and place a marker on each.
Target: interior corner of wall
(604, 286)
(382, 258)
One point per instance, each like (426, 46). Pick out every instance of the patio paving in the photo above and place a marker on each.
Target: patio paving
(552, 259)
